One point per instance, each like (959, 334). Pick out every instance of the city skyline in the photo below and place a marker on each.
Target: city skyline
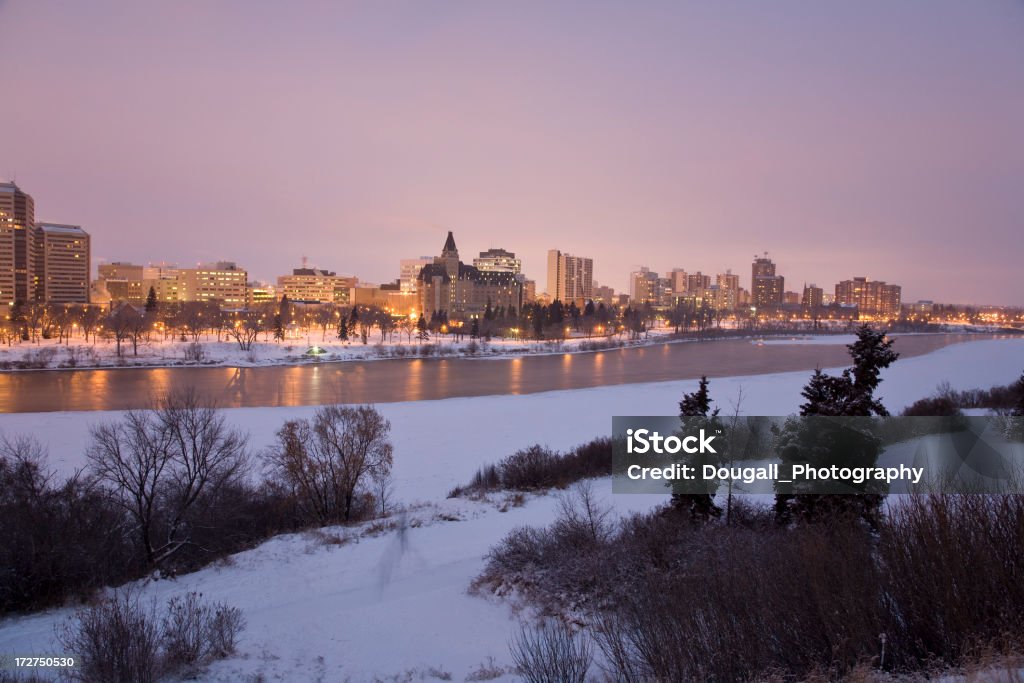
(568, 277)
(614, 132)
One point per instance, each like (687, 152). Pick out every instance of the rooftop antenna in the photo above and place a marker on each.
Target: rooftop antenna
(304, 259)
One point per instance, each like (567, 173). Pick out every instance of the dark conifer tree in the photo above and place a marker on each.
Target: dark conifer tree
(851, 394)
(421, 329)
(1018, 408)
(538, 322)
(151, 303)
(695, 410)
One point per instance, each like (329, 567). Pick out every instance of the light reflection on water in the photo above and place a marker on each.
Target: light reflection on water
(420, 379)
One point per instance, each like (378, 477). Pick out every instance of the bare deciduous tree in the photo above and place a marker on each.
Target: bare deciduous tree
(158, 463)
(124, 322)
(246, 329)
(327, 460)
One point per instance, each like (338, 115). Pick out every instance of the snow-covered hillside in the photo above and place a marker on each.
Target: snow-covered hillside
(396, 604)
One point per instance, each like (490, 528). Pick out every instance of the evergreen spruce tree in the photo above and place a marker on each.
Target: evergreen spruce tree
(151, 303)
(555, 314)
(343, 329)
(278, 328)
(421, 329)
(822, 443)
(475, 332)
(695, 412)
(285, 311)
(1018, 408)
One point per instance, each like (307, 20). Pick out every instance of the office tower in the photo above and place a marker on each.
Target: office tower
(570, 278)
(222, 282)
(312, 285)
(17, 248)
(62, 264)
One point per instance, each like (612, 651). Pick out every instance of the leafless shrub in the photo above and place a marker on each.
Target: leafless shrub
(78, 356)
(833, 599)
(530, 468)
(38, 359)
(487, 671)
(555, 567)
(438, 673)
(123, 639)
(960, 550)
(326, 538)
(551, 653)
(225, 625)
(118, 641)
(538, 467)
(194, 352)
(515, 500)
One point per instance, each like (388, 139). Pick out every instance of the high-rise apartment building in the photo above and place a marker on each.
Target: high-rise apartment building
(762, 267)
(17, 248)
(873, 298)
(644, 287)
(570, 278)
(767, 289)
(728, 290)
(61, 266)
(679, 281)
(498, 261)
(697, 282)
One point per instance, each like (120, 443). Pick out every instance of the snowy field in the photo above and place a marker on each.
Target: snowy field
(397, 608)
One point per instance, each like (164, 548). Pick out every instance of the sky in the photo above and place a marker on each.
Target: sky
(866, 138)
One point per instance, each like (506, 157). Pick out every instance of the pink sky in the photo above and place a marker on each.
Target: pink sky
(866, 138)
